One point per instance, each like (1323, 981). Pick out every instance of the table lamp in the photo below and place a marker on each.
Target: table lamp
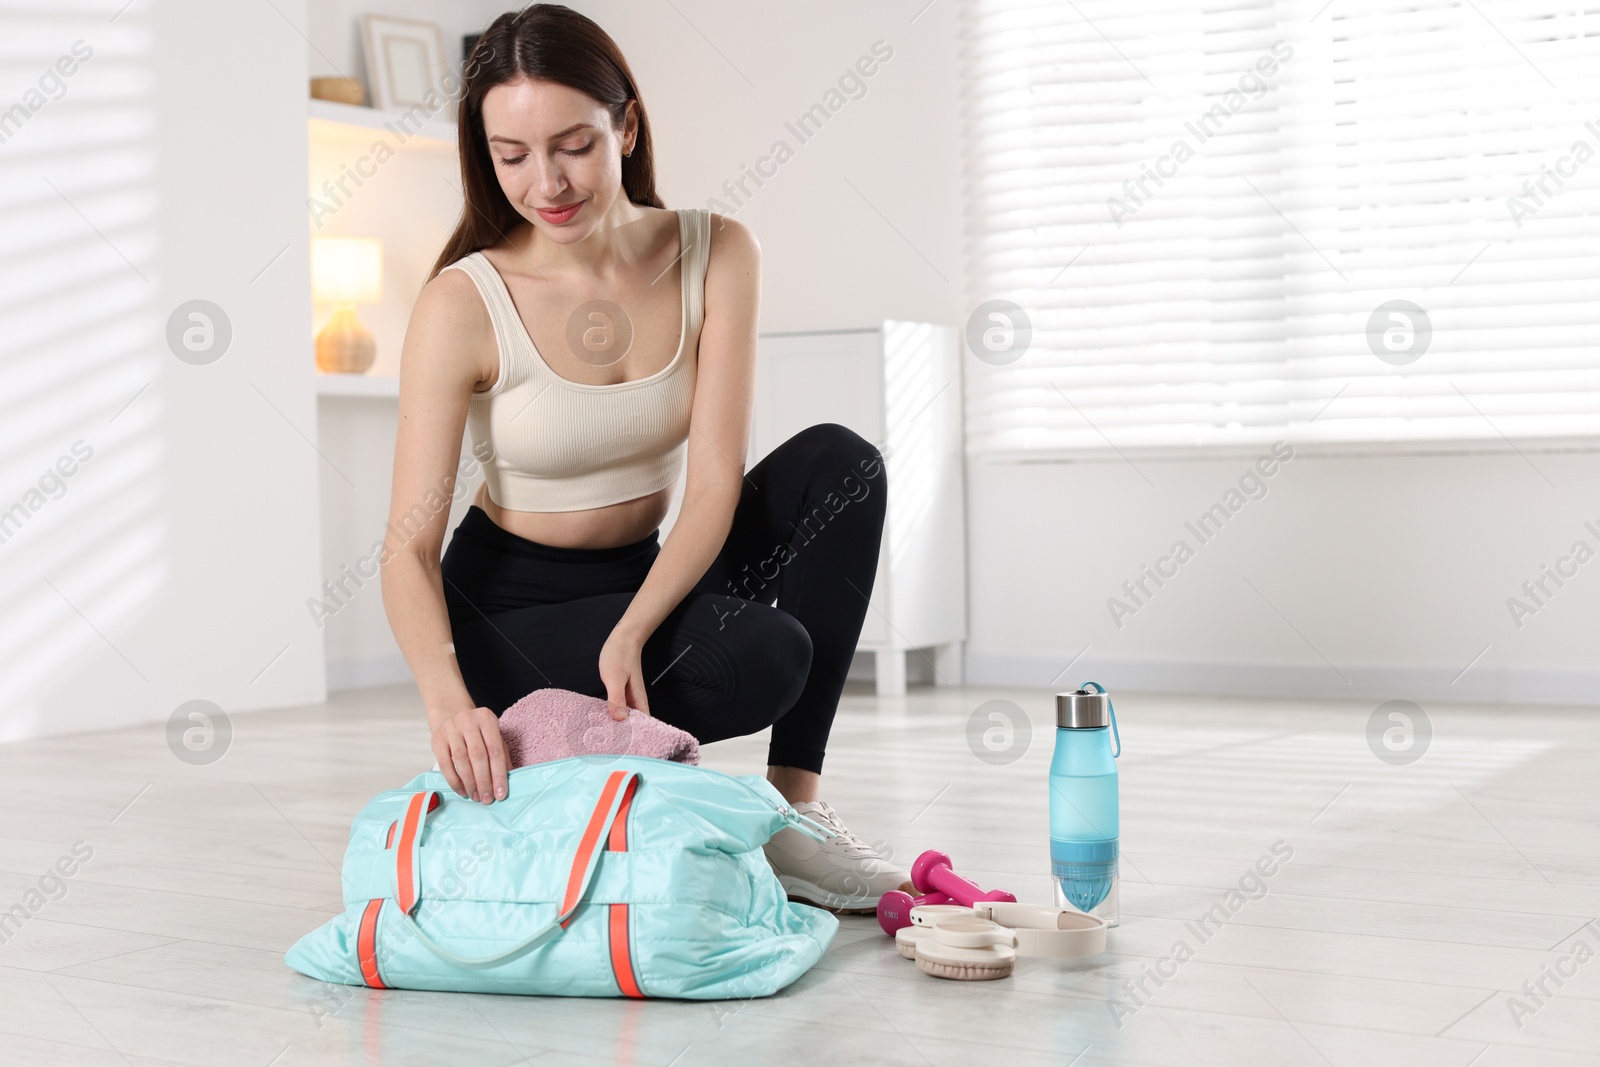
(346, 271)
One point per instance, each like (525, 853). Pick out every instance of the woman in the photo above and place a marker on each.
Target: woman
(593, 341)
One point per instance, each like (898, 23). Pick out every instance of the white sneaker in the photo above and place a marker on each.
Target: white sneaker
(845, 874)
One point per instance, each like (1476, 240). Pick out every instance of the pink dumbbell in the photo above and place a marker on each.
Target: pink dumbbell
(931, 873)
(894, 908)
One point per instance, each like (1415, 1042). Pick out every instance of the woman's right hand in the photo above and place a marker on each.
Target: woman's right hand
(472, 754)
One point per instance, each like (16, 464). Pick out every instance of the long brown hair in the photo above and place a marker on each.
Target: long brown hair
(554, 43)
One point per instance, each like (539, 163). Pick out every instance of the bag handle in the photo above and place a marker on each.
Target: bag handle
(619, 785)
(407, 861)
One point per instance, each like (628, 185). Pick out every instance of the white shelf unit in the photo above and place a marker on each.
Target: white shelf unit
(350, 122)
(898, 385)
(384, 174)
(376, 385)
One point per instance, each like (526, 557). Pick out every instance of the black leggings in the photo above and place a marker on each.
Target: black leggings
(727, 661)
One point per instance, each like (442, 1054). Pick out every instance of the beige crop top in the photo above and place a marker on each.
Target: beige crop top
(548, 443)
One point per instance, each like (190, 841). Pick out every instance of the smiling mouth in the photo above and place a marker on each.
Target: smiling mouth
(559, 214)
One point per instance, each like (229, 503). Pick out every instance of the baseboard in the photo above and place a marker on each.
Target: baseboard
(393, 670)
(366, 673)
(919, 667)
(1481, 684)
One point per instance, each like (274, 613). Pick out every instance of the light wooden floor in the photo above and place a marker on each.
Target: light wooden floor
(1417, 902)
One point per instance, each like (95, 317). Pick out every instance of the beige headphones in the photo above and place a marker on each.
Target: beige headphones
(971, 944)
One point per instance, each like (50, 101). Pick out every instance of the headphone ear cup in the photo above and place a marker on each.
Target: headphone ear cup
(964, 964)
(907, 938)
(966, 972)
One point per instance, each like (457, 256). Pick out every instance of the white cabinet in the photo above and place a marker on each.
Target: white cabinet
(899, 386)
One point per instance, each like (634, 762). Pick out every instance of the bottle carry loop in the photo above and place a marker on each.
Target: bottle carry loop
(1110, 707)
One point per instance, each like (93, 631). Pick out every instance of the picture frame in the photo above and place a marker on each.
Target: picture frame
(405, 60)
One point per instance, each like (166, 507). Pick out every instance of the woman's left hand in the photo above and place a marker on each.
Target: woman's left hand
(622, 673)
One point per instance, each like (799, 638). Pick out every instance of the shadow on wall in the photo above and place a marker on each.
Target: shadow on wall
(81, 356)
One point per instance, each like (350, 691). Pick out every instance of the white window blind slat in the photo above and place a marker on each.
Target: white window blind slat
(1371, 154)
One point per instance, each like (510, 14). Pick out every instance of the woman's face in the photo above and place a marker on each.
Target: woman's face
(553, 146)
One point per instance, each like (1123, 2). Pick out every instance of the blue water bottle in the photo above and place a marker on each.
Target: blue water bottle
(1083, 803)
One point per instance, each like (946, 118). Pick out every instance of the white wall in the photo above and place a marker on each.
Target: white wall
(333, 30)
(174, 563)
(863, 224)
(1391, 573)
(865, 221)
(1396, 568)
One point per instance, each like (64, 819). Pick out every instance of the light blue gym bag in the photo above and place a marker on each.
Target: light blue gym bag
(595, 877)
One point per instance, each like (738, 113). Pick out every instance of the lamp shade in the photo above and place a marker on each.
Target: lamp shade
(346, 270)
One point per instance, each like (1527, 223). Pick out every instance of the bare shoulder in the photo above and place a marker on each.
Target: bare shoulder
(450, 337)
(734, 249)
(733, 287)
(453, 295)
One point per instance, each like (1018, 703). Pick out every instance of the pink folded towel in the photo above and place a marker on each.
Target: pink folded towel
(552, 724)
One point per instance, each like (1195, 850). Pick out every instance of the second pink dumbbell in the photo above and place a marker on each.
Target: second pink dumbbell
(931, 873)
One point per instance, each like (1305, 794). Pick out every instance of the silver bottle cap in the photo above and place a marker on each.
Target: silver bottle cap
(1082, 709)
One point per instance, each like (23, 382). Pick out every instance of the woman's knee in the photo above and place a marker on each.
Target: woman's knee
(831, 444)
(846, 463)
(775, 659)
(792, 649)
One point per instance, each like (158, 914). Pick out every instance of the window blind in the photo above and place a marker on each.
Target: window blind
(1208, 212)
